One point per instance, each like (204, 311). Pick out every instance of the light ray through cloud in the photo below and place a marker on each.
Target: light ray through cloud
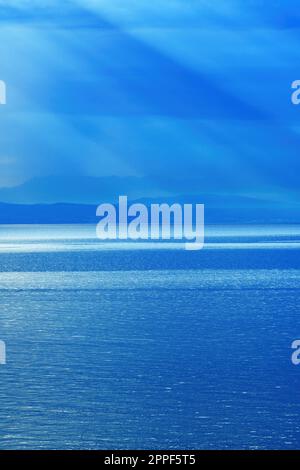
(151, 89)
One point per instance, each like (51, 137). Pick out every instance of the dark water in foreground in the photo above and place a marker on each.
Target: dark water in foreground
(118, 348)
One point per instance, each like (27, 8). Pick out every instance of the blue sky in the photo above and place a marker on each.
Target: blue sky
(176, 91)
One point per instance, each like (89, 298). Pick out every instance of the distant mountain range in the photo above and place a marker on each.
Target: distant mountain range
(74, 200)
(217, 211)
(79, 189)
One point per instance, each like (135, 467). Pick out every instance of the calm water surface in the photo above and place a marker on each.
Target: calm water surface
(112, 346)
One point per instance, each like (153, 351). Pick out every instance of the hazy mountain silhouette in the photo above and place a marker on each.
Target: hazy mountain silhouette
(73, 199)
(218, 209)
(78, 189)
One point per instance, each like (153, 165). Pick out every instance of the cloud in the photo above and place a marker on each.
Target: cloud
(166, 89)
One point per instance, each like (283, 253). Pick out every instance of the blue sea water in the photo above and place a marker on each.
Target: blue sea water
(121, 346)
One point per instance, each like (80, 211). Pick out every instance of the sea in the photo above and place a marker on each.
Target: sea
(142, 345)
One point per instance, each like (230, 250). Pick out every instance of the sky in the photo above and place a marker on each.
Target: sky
(188, 93)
